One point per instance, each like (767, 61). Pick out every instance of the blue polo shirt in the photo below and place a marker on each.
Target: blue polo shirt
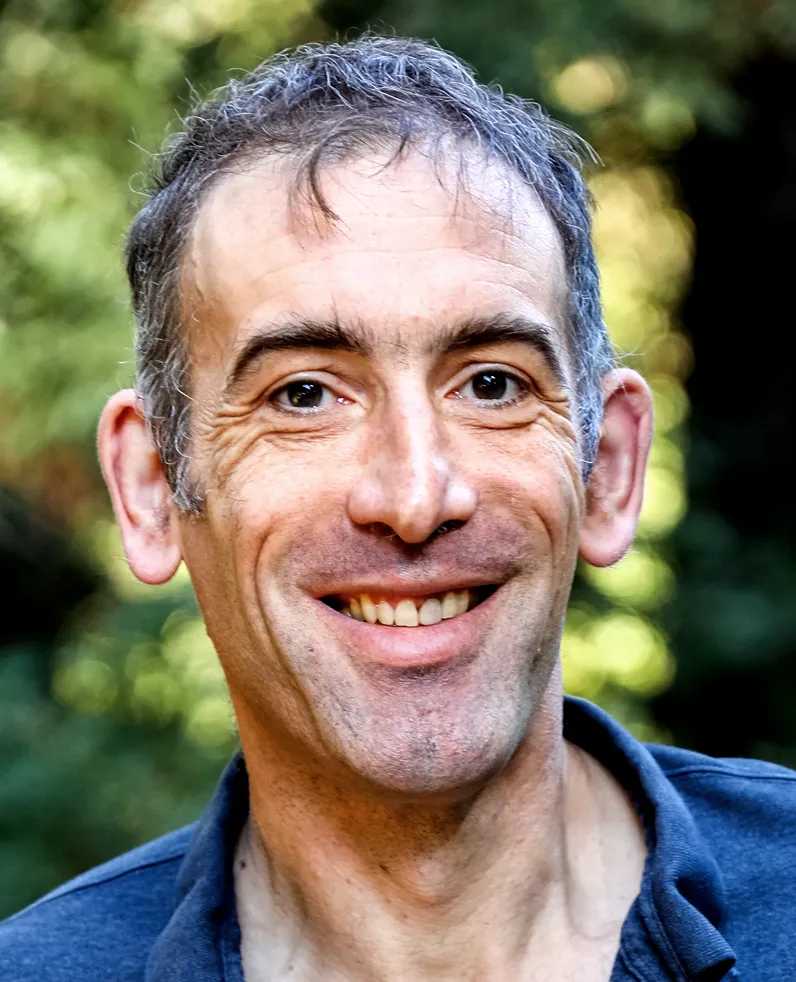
(717, 899)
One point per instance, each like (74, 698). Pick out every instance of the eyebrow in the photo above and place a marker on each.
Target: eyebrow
(294, 336)
(333, 335)
(503, 329)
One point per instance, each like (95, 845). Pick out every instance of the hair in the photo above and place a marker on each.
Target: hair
(318, 104)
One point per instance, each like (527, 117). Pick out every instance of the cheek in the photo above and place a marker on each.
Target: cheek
(535, 472)
(555, 460)
(210, 554)
(266, 493)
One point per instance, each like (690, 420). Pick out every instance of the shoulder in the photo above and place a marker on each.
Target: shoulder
(730, 787)
(100, 925)
(745, 811)
(752, 799)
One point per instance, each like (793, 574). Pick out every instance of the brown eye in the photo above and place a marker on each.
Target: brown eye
(302, 394)
(490, 385)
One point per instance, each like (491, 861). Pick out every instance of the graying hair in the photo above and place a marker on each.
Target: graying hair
(323, 103)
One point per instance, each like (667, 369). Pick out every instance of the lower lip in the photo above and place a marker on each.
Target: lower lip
(414, 647)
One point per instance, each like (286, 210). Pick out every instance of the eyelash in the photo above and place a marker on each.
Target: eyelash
(523, 386)
(297, 411)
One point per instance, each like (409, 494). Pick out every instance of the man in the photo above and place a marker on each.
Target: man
(377, 417)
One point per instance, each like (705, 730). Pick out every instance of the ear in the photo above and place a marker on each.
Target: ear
(616, 486)
(141, 497)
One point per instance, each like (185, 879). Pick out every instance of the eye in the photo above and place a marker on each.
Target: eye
(494, 385)
(302, 394)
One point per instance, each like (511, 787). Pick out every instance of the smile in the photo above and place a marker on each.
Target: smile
(415, 611)
(365, 618)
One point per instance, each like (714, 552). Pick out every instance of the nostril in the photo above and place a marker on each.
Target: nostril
(450, 526)
(382, 530)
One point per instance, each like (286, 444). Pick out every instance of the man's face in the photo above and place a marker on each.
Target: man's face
(382, 421)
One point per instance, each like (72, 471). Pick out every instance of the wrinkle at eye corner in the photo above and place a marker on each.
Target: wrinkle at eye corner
(559, 421)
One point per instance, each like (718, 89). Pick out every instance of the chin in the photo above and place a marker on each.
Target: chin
(429, 762)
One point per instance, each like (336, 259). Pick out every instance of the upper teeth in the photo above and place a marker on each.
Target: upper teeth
(406, 613)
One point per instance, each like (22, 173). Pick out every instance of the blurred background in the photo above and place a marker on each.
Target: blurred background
(114, 724)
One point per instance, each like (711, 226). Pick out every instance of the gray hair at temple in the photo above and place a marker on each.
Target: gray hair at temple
(321, 104)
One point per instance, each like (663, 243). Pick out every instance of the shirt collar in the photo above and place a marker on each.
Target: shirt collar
(673, 929)
(201, 942)
(681, 906)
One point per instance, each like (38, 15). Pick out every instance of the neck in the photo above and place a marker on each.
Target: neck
(348, 884)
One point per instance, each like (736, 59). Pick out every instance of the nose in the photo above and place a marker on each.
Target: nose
(409, 482)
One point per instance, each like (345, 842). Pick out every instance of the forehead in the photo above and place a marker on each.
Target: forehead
(414, 245)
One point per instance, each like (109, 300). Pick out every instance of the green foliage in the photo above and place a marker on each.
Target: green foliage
(77, 788)
(113, 719)
(84, 87)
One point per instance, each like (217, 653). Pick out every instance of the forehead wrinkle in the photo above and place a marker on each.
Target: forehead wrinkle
(498, 213)
(399, 345)
(492, 192)
(488, 185)
(481, 189)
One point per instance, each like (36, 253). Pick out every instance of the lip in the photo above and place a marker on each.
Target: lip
(398, 587)
(412, 647)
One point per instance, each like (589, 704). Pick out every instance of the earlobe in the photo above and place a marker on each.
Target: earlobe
(139, 491)
(615, 490)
